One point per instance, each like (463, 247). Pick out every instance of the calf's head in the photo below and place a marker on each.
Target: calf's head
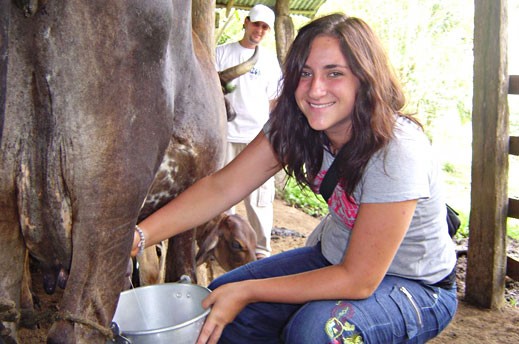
(230, 239)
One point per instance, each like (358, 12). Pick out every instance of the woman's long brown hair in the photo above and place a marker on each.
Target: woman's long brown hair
(378, 101)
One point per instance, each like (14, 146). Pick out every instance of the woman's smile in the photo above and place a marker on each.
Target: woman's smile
(321, 106)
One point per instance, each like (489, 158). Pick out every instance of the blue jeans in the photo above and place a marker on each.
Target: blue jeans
(400, 310)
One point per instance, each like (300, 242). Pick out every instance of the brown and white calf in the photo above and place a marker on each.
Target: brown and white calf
(228, 240)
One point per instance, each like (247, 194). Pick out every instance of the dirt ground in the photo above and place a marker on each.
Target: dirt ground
(470, 325)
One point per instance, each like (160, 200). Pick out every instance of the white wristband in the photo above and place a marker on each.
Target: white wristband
(142, 240)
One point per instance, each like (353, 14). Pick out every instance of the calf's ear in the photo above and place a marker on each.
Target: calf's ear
(206, 248)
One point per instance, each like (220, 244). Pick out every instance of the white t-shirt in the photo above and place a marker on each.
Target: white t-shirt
(406, 169)
(253, 91)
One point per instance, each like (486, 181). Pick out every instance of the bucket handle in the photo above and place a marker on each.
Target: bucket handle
(185, 279)
(118, 337)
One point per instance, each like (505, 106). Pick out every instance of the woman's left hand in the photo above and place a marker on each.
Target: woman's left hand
(226, 302)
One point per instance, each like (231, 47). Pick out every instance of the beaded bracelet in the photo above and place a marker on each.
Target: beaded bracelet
(142, 240)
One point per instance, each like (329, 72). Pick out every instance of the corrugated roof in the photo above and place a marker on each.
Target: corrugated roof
(307, 8)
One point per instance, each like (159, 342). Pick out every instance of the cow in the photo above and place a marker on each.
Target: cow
(106, 105)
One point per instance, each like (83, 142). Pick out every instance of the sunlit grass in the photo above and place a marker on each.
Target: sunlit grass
(512, 228)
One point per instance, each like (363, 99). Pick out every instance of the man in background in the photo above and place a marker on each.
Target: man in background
(252, 98)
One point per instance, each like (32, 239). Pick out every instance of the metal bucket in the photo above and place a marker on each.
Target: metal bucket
(162, 313)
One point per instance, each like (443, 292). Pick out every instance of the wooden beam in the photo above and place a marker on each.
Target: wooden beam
(486, 261)
(513, 208)
(285, 31)
(514, 145)
(203, 18)
(513, 84)
(306, 13)
(230, 5)
(512, 268)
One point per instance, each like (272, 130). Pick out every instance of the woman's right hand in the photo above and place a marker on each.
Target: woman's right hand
(226, 301)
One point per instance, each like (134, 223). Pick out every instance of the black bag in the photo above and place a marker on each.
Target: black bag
(332, 177)
(453, 221)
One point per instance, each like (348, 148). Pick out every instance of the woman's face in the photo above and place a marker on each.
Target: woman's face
(327, 89)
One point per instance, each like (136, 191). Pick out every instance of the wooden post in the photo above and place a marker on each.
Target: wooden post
(486, 266)
(203, 17)
(284, 29)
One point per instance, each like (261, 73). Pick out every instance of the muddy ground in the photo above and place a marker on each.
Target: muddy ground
(292, 226)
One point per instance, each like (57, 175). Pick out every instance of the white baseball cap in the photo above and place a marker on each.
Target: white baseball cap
(262, 13)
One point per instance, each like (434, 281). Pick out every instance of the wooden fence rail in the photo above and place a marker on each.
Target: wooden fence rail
(514, 145)
(512, 265)
(513, 84)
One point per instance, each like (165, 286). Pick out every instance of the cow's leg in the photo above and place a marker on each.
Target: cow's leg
(88, 303)
(12, 248)
(149, 266)
(12, 253)
(163, 249)
(180, 258)
(152, 264)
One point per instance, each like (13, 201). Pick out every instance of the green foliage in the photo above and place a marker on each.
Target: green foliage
(449, 167)
(230, 28)
(512, 228)
(463, 231)
(430, 45)
(304, 198)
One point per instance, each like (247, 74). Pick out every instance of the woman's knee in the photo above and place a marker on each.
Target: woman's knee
(323, 322)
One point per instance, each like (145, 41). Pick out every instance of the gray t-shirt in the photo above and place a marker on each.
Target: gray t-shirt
(406, 169)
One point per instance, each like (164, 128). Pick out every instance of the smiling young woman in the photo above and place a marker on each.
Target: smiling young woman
(379, 267)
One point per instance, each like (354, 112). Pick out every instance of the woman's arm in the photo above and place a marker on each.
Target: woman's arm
(213, 194)
(377, 234)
